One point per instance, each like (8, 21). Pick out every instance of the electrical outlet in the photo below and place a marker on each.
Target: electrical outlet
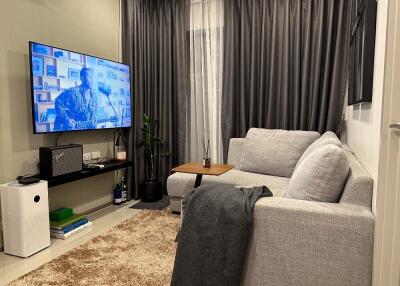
(87, 156)
(95, 155)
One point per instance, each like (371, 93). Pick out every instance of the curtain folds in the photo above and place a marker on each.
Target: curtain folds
(206, 50)
(211, 69)
(284, 65)
(153, 43)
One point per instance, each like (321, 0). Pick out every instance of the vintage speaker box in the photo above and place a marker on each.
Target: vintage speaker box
(60, 160)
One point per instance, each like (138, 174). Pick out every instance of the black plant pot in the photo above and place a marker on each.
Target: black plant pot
(152, 191)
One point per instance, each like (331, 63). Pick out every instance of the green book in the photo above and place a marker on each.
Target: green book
(66, 222)
(61, 214)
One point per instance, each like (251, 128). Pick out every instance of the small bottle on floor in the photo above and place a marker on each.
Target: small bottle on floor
(117, 195)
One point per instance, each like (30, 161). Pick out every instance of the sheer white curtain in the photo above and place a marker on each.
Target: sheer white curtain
(206, 50)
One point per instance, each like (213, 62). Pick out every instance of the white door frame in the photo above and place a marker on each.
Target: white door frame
(386, 271)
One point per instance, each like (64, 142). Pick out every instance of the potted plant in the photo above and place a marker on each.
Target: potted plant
(152, 187)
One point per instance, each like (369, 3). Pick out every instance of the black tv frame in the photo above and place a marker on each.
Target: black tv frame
(33, 99)
(361, 58)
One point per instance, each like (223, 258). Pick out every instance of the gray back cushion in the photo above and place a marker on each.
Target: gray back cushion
(274, 151)
(359, 185)
(327, 138)
(235, 151)
(321, 176)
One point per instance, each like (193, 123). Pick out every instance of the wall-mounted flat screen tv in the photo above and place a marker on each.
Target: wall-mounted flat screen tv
(362, 51)
(74, 91)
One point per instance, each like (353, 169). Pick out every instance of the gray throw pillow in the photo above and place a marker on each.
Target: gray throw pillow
(274, 151)
(321, 176)
(327, 138)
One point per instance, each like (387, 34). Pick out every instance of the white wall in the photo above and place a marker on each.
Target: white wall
(89, 26)
(364, 120)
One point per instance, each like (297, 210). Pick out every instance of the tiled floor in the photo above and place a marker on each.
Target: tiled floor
(12, 267)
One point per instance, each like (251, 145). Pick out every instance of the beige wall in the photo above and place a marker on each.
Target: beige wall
(364, 120)
(90, 26)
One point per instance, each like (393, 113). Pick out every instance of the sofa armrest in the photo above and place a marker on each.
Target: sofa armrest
(298, 242)
(235, 151)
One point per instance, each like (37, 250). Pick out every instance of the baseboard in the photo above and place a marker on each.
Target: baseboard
(90, 211)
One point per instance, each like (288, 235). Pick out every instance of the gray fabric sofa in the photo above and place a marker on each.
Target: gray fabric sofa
(298, 242)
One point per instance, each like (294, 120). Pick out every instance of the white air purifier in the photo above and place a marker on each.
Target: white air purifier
(25, 216)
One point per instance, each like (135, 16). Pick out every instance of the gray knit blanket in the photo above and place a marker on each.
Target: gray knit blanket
(215, 232)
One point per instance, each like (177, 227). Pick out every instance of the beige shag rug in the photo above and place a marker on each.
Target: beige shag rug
(138, 251)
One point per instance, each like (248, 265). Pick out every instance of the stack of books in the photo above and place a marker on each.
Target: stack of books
(64, 223)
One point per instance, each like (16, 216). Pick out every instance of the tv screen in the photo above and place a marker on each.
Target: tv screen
(73, 91)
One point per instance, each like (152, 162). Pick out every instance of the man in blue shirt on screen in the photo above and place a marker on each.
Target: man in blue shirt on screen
(76, 107)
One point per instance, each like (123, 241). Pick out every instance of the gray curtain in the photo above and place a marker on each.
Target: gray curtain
(153, 43)
(284, 65)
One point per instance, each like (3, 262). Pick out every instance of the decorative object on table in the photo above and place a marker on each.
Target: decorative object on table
(152, 187)
(64, 224)
(117, 195)
(206, 154)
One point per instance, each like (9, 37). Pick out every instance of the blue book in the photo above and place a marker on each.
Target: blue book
(72, 226)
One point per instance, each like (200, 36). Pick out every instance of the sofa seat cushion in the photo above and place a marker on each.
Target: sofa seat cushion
(179, 184)
(321, 176)
(274, 151)
(327, 138)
